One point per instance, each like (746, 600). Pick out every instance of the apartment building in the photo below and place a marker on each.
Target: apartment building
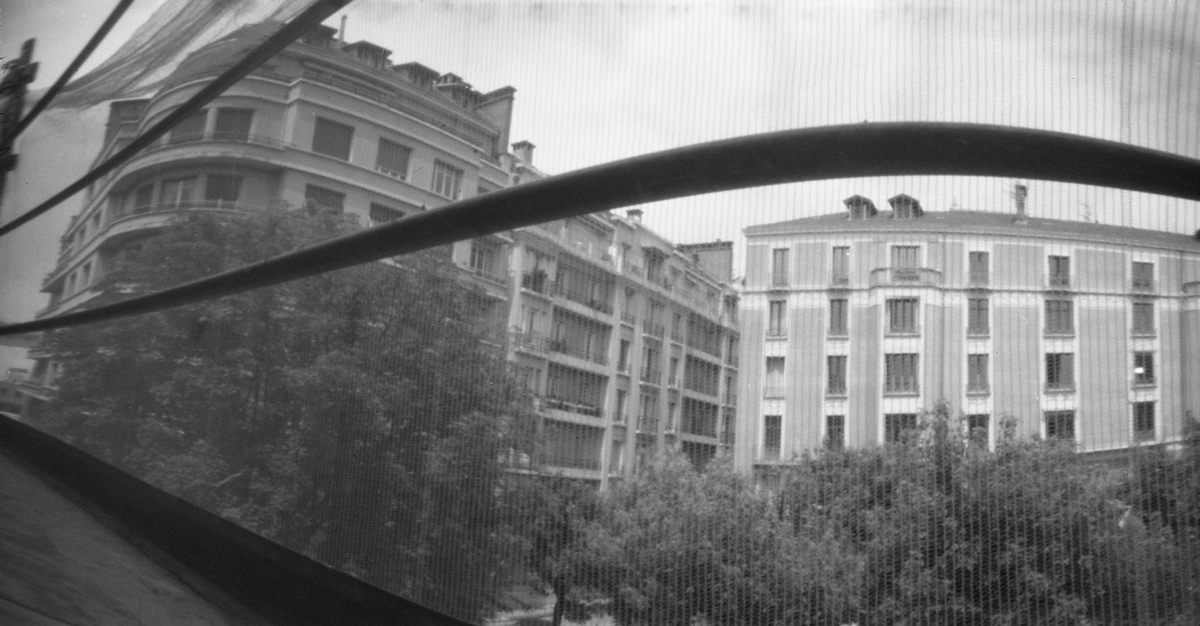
(590, 301)
(854, 323)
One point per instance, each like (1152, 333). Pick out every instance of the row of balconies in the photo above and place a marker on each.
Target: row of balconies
(927, 277)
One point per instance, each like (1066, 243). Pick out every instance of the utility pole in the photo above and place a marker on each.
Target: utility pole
(13, 87)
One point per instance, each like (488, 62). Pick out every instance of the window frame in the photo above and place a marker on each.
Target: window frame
(1141, 413)
(1059, 270)
(772, 433)
(237, 187)
(1056, 364)
(978, 378)
(839, 317)
(776, 318)
(839, 269)
(1141, 322)
(898, 382)
(896, 425)
(836, 382)
(1144, 378)
(331, 145)
(310, 199)
(902, 322)
(835, 424)
(224, 114)
(978, 309)
(1053, 420)
(447, 180)
(398, 149)
(1060, 317)
(977, 275)
(780, 272)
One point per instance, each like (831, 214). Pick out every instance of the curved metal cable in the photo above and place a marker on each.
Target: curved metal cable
(312, 16)
(79, 60)
(856, 150)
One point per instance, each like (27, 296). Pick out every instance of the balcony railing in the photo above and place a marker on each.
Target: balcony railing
(651, 375)
(564, 347)
(906, 276)
(531, 342)
(656, 330)
(535, 281)
(573, 406)
(604, 305)
(171, 141)
(490, 274)
(647, 424)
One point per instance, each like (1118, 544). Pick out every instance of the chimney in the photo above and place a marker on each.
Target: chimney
(635, 215)
(524, 151)
(1019, 194)
(342, 31)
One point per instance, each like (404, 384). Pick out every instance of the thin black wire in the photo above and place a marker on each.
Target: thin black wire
(312, 16)
(83, 55)
(853, 150)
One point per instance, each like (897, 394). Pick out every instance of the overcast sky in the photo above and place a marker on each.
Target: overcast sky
(598, 81)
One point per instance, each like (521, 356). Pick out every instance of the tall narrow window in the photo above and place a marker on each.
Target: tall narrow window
(392, 159)
(191, 128)
(841, 265)
(1143, 318)
(1143, 368)
(622, 398)
(897, 425)
(835, 432)
(623, 356)
(779, 267)
(772, 437)
(447, 180)
(901, 373)
(322, 198)
(904, 262)
(1060, 374)
(233, 124)
(1060, 271)
(484, 259)
(837, 375)
(902, 315)
(1143, 276)
(977, 429)
(1060, 317)
(332, 139)
(775, 320)
(977, 373)
(977, 316)
(774, 386)
(222, 188)
(979, 271)
(1060, 425)
(838, 317)
(1143, 421)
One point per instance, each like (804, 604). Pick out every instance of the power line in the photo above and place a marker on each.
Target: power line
(880, 149)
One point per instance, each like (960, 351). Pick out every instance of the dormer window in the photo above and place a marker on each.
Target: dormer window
(905, 207)
(369, 53)
(860, 208)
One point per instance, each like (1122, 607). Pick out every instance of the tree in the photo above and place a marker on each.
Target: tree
(356, 416)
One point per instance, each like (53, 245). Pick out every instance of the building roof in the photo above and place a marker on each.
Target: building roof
(978, 223)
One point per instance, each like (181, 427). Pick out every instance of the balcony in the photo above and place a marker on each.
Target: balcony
(572, 406)
(582, 296)
(653, 329)
(647, 425)
(531, 342)
(651, 375)
(535, 281)
(561, 346)
(905, 277)
(490, 274)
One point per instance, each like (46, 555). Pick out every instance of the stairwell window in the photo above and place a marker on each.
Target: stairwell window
(774, 386)
(977, 373)
(392, 159)
(233, 124)
(332, 139)
(447, 180)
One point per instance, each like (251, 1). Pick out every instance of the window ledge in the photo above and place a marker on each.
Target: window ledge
(1150, 384)
(909, 333)
(840, 395)
(1144, 334)
(978, 334)
(911, 393)
(776, 337)
(1070, 389)
(979, 392)
(839, 337)
(1066, 335)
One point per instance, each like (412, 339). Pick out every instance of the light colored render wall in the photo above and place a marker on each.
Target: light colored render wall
(805, 385)
(1171, 384)
(1017, 369)
(749, 409)
(1102, 270)
(1101, 380)
(864, 378)
(758, 256)
(812, 264)
(945, 356)
(1018, 266)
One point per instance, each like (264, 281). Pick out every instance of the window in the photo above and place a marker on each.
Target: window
(1143, 318)
(904, 262)
(623, 356)
(977, 430)
(1060, 373)
(902, 315)
(837, 375)
(332, 139)
(1060, 425)
(978, 263)
(1143, 368)
(673, 372)
(977, 316)
(838, 317)
(221, 188)
(779, 267)
(774, 384)
(382, 214)
(392, 159)
(1060, 317)
(143, 198)
(1060, 271)
(178, 192)
(484, 258)
(233, 124)
(622, 399)
(772, 437)
(1143, 421)
(896, 425)
(835, 432)
(775, 322)
(191, 128)
(1143, 276)
(901, 373)
(977, 373)
(841, 265)
(322, 198)
(447, 180)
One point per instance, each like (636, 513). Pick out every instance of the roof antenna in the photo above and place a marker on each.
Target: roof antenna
(342, 31)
